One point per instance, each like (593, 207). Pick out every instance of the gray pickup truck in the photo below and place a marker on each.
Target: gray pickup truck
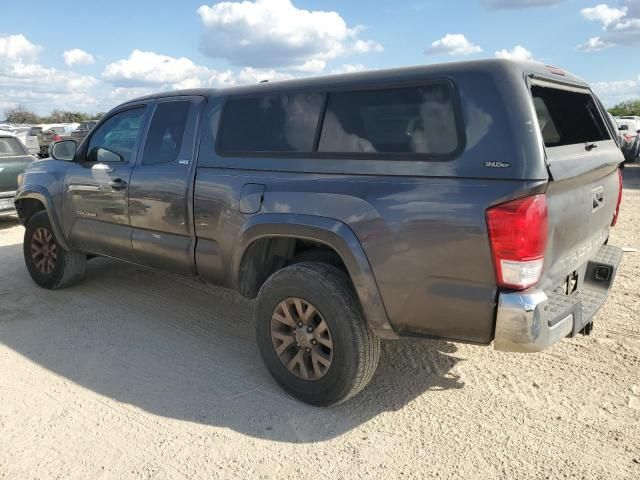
(469, 201)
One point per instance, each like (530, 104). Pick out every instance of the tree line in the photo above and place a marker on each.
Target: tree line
(628, 108)
(21, 115)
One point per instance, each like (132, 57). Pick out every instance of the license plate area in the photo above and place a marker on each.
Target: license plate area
(6, 203)
(571, 283)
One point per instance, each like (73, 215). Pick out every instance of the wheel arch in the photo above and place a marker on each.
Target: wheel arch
(33, 200)
(330, 233)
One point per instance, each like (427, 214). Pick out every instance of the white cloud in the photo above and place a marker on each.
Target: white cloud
(162, 72)
(275, 33)
(349, 68)
(77, 56)
(24, 81)
(604, 13)
(614, 92)
(453, 44)
(594, 44)
(516, 53)
(17, 47)
(621, 25)
(256, 75)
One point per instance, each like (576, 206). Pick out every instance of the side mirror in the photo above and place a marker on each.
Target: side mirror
(104, 155)
(64, 150)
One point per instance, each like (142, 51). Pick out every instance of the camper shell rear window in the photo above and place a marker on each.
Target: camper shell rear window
(568, 116)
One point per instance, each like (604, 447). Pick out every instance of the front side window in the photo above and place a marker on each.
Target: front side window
(166, 132)
(568, 117)
(9, 147)
(270, 123)
(393, 121)
(119, 134)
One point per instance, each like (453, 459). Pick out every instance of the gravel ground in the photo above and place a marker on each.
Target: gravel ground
(139, 374)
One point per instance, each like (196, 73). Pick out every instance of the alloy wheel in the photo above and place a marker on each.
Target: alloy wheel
(301, 338)
(44, 251)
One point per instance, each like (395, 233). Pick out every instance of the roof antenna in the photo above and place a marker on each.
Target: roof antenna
(263, 81)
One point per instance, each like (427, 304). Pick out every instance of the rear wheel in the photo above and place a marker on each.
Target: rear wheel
(312, 336)
(50, 265)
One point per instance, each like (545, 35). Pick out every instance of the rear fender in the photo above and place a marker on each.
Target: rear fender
(335, 235)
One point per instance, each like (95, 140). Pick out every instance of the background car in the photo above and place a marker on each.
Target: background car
(83, 130)
(28, 136)
(14, 158)
(52, 134)
(630, 145)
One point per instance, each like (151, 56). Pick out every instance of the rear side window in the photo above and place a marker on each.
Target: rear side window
(395, 121)
(568, 117)
(271, 123)
(166, 132)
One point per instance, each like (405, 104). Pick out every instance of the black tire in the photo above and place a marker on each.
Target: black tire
(69, 266)
(356, 350)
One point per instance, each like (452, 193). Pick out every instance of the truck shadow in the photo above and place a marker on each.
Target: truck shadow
(8, 222)
(183, 350)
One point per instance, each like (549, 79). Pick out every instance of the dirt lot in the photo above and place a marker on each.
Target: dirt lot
(139, 374)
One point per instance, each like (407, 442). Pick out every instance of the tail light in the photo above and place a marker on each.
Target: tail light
(57, 138)
(617, 212)
(518, 236)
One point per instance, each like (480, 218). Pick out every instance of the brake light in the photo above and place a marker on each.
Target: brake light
(57, 138)
(518, 236)
(617, 212)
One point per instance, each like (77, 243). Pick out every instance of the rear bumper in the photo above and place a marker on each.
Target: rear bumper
(533, 321)
(7, 207)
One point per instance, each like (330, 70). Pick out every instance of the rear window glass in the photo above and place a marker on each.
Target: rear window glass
(403, 120)
(567, 117)
(9, 147)
(271, 123)
(166, 132)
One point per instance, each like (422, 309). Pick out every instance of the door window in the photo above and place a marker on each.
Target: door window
(166, 132)
(118, 134)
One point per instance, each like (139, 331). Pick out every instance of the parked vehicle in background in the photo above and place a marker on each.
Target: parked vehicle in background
(631, 138)
(83, 130)
(52, 134)
(14, 157)
(619, 134)
(632, 118)
(28, 136)
(383, 204)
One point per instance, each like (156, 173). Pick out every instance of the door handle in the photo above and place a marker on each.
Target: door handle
(117, 184)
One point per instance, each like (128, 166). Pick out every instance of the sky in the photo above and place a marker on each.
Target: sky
(91, 56)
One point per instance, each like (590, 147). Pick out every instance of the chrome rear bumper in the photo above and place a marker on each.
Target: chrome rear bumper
(534, 320)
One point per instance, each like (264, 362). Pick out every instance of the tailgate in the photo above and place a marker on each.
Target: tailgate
(582, 195)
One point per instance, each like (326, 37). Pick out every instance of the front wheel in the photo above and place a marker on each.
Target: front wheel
(50, 265)
(312, 335)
